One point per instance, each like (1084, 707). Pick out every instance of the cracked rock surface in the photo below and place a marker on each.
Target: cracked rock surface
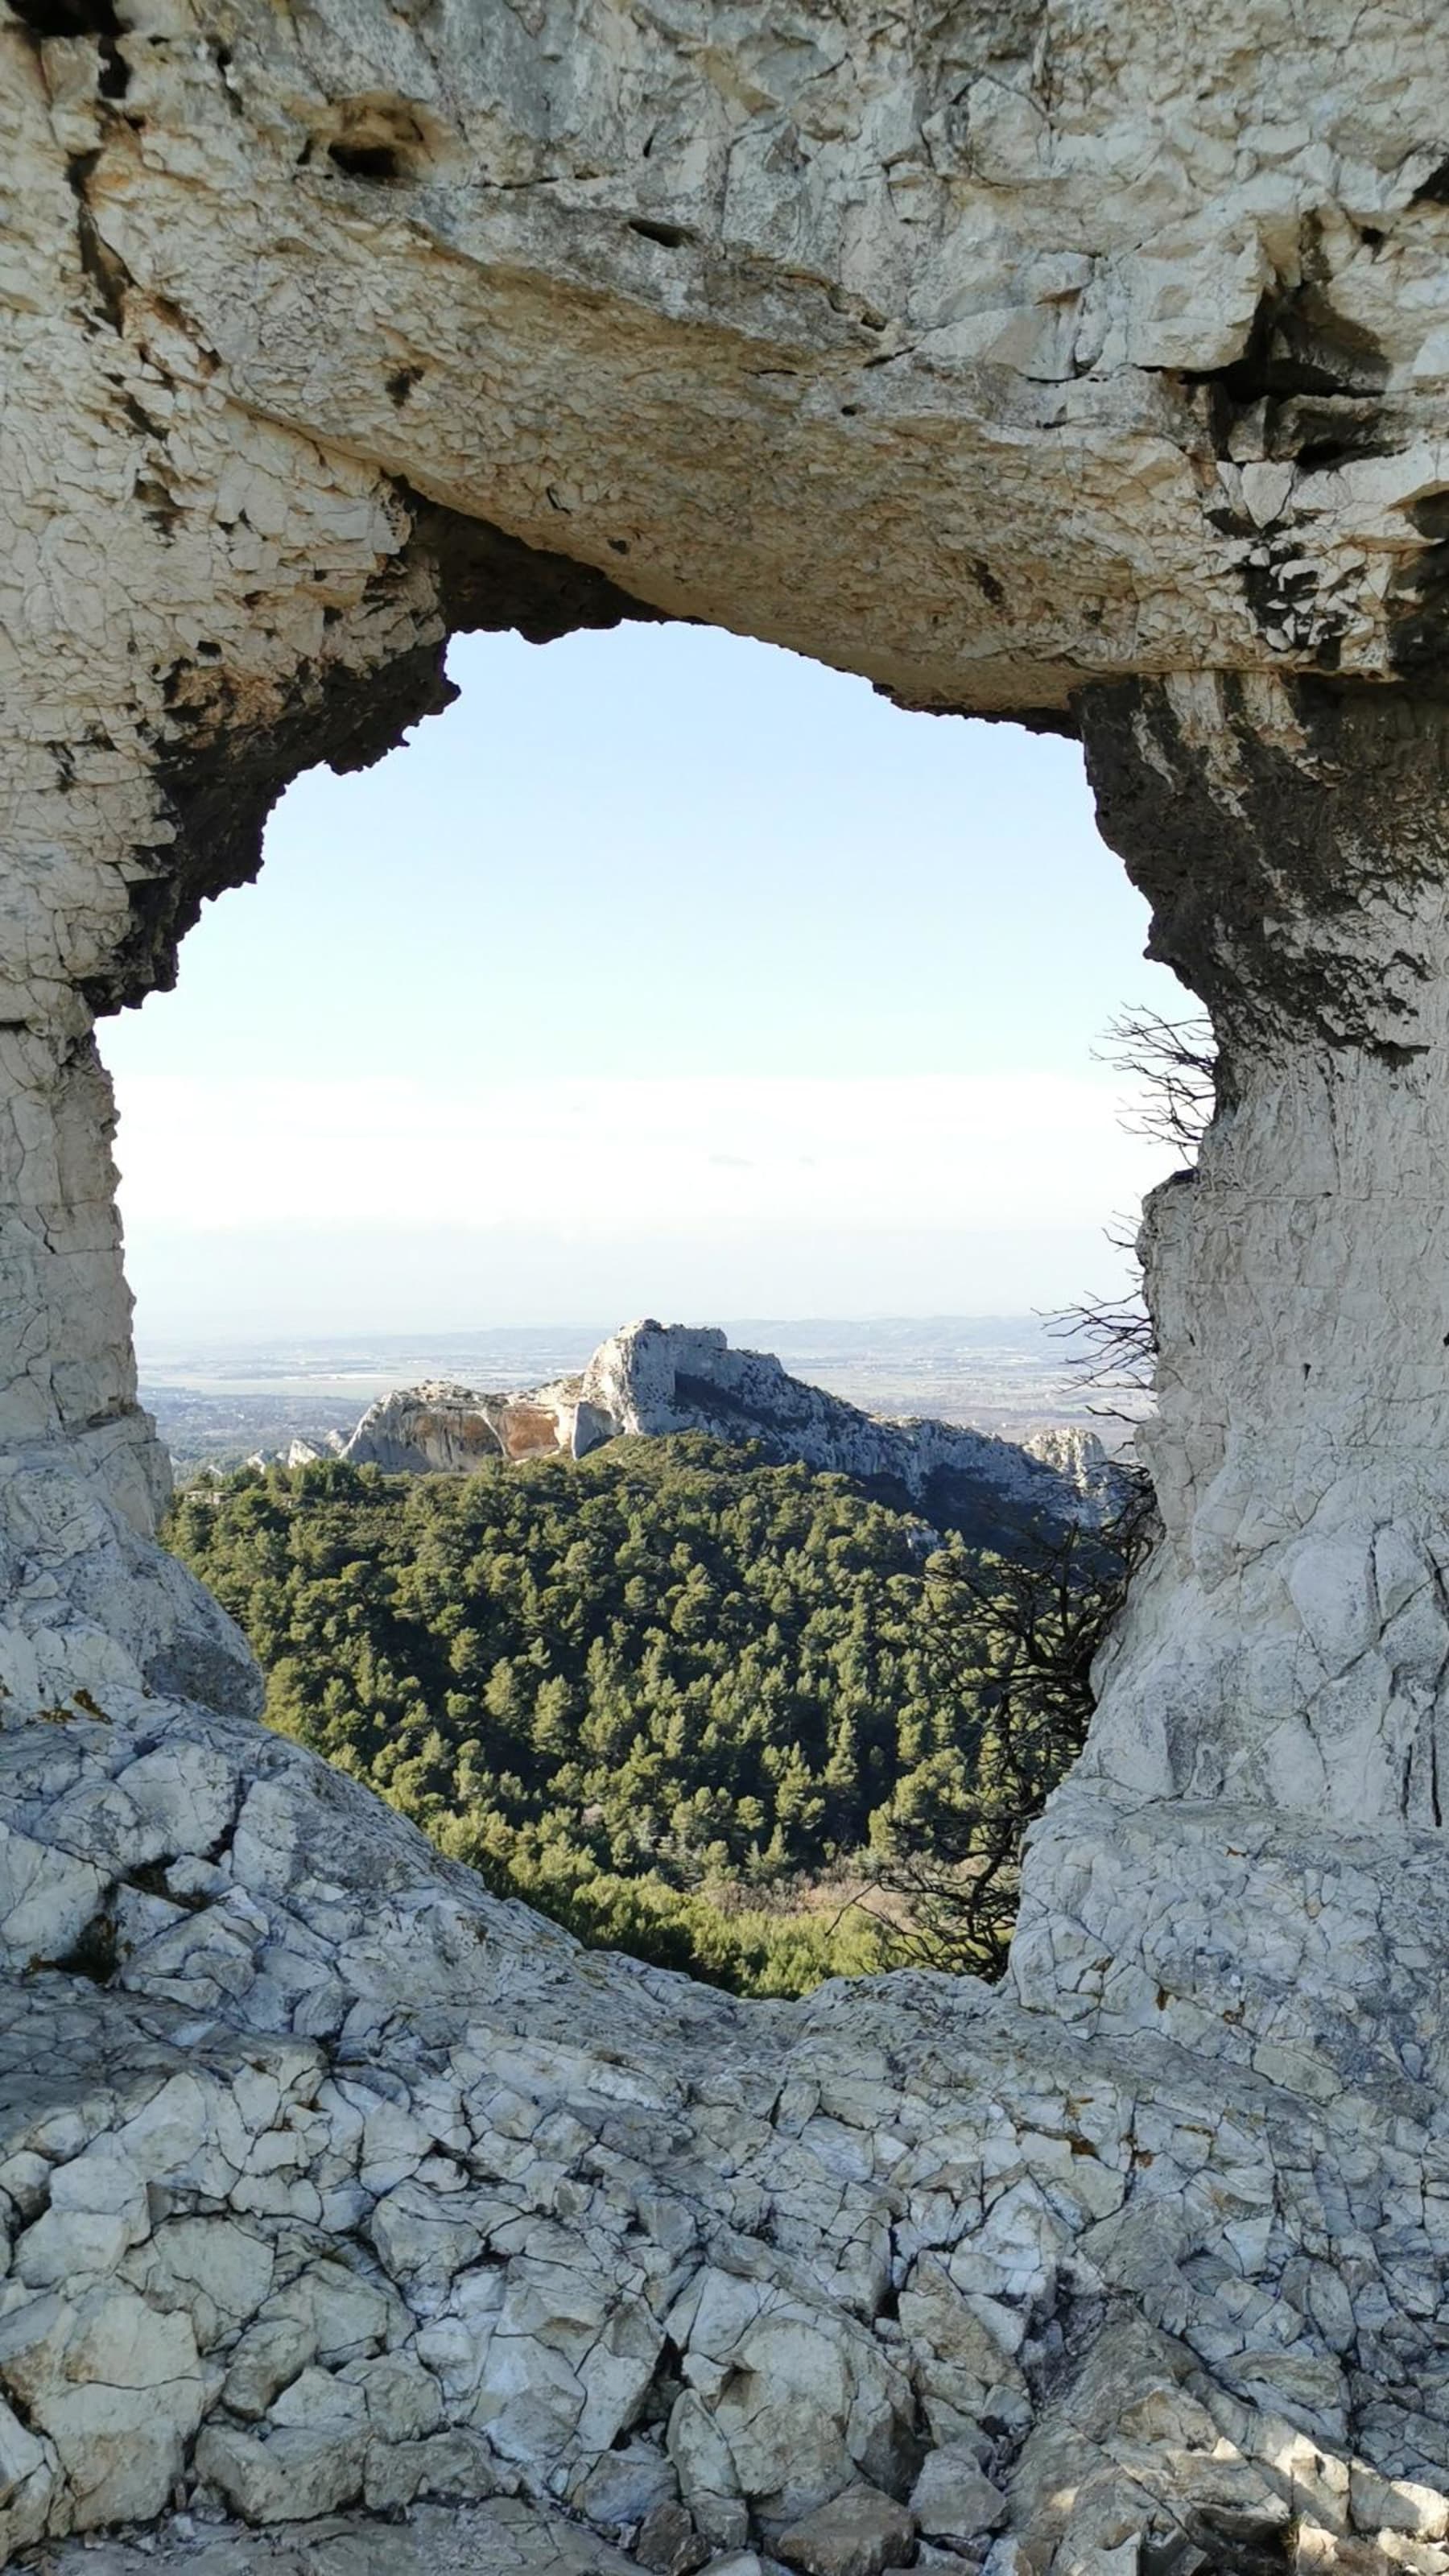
(1069, 362)
(503, 2537)
(329, 2182)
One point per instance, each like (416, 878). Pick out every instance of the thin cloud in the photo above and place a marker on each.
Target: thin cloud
(607, 1159)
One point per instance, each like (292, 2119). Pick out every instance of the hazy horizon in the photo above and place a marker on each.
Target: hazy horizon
(157, 1349)
(883, 1320)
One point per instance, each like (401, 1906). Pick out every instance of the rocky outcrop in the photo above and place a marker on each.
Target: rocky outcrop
(1137, 355)
(1289, 1642)
(310, 1453)
(1078, 1457)
(504, 2536)
(652, 1380)
(444, 1428)
(1082, 365)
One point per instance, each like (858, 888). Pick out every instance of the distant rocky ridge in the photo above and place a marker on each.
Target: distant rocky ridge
(299, 1451)
(656, 1379)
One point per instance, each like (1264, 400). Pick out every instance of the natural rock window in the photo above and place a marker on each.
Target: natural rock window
(1086, 371)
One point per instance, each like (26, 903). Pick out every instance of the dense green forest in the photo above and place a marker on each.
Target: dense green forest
(735, 1717)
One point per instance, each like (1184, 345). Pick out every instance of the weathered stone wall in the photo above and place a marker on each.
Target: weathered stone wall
(1081, 363)
(1291, 1643)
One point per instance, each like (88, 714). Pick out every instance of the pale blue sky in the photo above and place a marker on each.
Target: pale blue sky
(667, 972)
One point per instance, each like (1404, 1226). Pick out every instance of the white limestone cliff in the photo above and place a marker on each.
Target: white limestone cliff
(445, 1428)
(1080, 1459)
(1078, 364)
(654, 1380)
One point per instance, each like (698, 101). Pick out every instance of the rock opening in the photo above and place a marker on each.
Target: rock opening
(1026, 370)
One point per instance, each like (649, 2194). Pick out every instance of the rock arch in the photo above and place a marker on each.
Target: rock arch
(1073, 366)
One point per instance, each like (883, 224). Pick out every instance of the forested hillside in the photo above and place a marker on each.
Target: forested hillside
(691, 1704)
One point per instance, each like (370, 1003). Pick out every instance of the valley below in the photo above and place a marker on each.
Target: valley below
(731, 1714)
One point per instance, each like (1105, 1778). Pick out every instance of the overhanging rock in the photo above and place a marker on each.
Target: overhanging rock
(1085, 366)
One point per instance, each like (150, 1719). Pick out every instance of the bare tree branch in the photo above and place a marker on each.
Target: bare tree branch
(1176, 1062)
(1027, 1629)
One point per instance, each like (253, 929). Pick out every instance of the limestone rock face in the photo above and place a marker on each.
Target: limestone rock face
(859, 2533)
(86, 1604)
(655, 1379)
(1083, 364)
(504, 2536)
(444, 1428)
(1078, 1456)
(1288, 1644)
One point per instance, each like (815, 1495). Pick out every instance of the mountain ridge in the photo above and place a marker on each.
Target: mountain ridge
(653, 1380)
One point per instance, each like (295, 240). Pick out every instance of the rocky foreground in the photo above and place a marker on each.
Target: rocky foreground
(331, 2184)
(656, 1379)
